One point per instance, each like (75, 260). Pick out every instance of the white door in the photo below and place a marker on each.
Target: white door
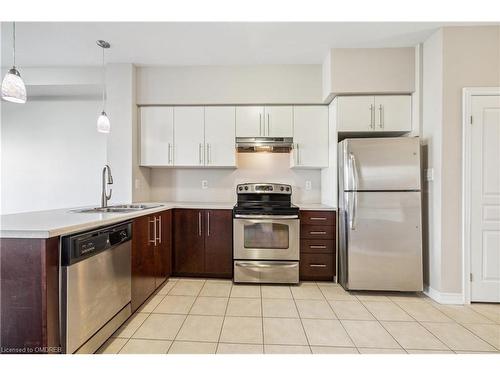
(393, 113)
(157, 136)
(220, 146)
(189, 149)
(356, 113)
(250, 121)
(485, 199)
(310, 136)
(278, 121)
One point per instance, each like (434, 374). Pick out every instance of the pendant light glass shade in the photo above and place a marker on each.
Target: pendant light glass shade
(103, 125)
(13, 89)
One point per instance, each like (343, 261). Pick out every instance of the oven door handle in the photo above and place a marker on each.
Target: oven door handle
(266, 265)
(270, 217)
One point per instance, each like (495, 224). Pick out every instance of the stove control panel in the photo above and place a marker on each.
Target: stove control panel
(263, 188)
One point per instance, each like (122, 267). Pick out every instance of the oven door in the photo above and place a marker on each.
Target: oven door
(266, 237)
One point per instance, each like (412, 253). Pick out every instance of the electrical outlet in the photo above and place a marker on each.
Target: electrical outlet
(429, 174)
(308, 185)
(137, 183)
(204, 184)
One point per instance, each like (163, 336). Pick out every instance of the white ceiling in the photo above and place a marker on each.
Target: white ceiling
(200, 43)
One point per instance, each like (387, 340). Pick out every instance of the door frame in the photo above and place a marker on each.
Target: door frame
(467, 94)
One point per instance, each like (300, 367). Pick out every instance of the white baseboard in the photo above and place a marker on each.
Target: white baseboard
(444, 298)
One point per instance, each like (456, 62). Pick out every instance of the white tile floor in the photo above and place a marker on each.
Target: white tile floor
(198, 316)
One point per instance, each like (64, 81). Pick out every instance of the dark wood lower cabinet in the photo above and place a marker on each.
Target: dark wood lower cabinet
(203, 243)
(151, 255)
(29, 290)
(219, 243)
(317, 266)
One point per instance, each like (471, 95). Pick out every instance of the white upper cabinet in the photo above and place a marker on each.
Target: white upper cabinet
(383, 113)
(157, 136)
(310, 137)
(249, 121)
(264, 121)
(278, 121)
(219, 136)
(393, 113)
(189, 149)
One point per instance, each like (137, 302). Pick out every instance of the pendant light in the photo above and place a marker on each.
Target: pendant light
(103, 125)
(13, 89)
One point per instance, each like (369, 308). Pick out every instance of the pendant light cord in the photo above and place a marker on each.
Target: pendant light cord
(103, 82)
(14, 43)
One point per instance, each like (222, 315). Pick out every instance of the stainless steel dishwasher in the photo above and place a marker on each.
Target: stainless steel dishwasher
(95, 286)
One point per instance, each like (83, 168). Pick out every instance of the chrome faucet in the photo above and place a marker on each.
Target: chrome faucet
(104, 196)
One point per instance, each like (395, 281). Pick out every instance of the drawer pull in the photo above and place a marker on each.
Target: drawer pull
(317, 246)
(318, 265)
(318, 218)
(317, 232)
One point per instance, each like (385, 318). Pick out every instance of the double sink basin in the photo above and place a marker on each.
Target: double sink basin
(119, 208)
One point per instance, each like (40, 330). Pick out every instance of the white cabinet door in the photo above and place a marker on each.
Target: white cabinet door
(393, 113)
(278, 121)
(157, 136)
(356, 113)
(219, 137)
(310, 136)
(189, 136)
(250, 121)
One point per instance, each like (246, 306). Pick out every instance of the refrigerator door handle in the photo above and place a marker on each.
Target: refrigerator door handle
(352, 216)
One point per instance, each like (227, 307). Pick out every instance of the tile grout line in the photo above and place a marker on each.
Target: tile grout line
(340, 321)
(300, 319)
(223, 319)
(184, 321)
(149, 314)
(262, 319)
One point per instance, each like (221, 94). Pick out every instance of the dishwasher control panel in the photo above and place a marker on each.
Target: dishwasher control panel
(77, 247)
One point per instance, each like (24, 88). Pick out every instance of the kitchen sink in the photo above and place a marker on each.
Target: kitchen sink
(119, 208)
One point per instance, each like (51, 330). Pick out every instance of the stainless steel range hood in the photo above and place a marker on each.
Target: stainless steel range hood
(263, 144)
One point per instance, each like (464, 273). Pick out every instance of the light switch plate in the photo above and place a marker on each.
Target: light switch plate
(308, 185)
(137, 183)
(204, 184)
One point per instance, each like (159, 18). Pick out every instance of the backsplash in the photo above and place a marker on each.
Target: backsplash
(186, 184)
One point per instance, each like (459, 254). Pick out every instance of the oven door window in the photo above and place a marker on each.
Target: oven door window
(266, 236)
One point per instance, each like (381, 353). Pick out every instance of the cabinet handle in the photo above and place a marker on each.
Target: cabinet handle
(260, 124)
(159, 229)
(318, 265)
(153, 241)
(317, 232)
(298, 154)
(318, 218)
(317, 246)
(372, 117)
(381, 109)
(199, 153)
(169, 157)
(268, 122)
(199, 223)
(208, 223)
(209, 154)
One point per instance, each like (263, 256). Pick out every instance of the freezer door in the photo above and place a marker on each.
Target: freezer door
(384, 241)
(380, 164)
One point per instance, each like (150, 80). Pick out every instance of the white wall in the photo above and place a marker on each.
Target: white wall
(51, 155)
(266, 84)
(185, 184)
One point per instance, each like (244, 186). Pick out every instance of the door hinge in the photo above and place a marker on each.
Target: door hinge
(471, 120)
(470, 276)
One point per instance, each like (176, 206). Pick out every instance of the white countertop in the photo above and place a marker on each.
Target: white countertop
(315, 207)
(52, 223)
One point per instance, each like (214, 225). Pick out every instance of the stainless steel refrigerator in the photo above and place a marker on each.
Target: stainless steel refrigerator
(380, 235)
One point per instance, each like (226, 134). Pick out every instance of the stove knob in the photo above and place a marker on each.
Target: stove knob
(246, 187)
(287, 189)
(282, 188)
(240, 188)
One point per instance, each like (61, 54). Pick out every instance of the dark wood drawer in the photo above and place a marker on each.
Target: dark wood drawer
(317, 217)
(324, 232)
(317, 266)
(317, 246)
